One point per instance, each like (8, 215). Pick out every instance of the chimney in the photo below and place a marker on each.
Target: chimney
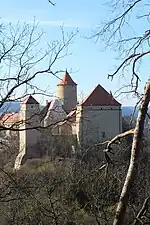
(46, 102)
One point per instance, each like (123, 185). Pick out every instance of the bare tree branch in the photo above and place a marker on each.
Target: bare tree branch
(133, 166)
(51, 2)
(142, 212)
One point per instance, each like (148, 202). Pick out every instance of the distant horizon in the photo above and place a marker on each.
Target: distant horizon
(17, 101)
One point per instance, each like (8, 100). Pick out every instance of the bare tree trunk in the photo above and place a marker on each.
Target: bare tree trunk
(134, 159)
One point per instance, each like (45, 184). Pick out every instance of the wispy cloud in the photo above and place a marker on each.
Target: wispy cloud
(51, 23)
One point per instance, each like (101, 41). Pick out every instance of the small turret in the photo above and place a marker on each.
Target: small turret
(67, 92)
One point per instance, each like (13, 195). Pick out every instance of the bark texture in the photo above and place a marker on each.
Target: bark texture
(134, 159)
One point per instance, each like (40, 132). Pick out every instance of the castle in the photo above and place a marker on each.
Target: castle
(97, 118)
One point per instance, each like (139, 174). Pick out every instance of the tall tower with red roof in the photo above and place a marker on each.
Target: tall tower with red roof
(67, 92)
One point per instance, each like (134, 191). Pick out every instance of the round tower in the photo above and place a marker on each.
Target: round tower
(67, 92)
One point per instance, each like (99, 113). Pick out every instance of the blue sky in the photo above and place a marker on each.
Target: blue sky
(89, 64)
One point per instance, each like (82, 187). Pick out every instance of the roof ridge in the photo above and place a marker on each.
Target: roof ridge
(30, 100)
(100, 97)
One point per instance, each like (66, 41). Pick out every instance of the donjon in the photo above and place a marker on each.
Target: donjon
(67, 92)
(96, 119)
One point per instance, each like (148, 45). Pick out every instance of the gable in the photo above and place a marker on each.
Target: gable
(100, 97)
(30, 100)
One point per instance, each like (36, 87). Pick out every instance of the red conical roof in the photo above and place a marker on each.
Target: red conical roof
(66, 80)
(30, 100)
(100, 97)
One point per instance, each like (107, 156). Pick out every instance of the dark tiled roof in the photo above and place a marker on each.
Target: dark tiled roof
(66, 80)
(30, 100)
(100, 97)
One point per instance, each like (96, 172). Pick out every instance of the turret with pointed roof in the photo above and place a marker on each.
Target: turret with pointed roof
(66, 80)
(67, 92)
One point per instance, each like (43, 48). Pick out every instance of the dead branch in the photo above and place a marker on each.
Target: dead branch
(142, 211)
(133, 166)
(17, 53)
(119, 19)
(52, 3)
(122, 64)
(117, 139)
(131, 48)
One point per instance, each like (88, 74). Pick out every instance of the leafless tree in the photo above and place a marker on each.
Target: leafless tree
(22, 59)
(132, 44)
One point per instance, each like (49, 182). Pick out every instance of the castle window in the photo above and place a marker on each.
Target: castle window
(103, 134)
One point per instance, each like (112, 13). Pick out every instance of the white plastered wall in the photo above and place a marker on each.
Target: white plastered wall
(98, 123)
